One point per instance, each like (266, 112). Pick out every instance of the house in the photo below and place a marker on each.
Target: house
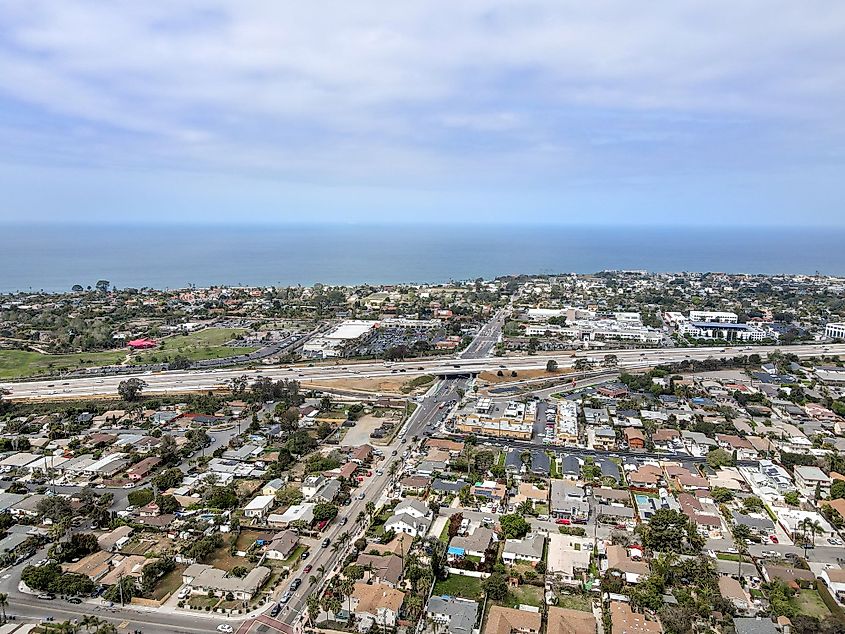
(567, 621)
(273, 486)
(115, 539)
(414, 485)
(513, 461)
(510, 621)
(529, 493)
(410, 517)
(568, 501)
(474, 545)
(529, 549)
(568, 558)
(625, 621)
(618, 559)
(205, 579)
(376, 604)
(666, 438)
(454, 615)
(94, 566)
(311, 486)
(490, 490)
(362, 454)
(834, 578)
(386, 568)
(142, 469)
(540, 463)
(616, 515)
(634, 437)
(730, 589)
(743, 448)
(283, 545)
(259, 507)
(297, 513)
(812, 480)
(569, 466)
(758, 625)
(328, 492)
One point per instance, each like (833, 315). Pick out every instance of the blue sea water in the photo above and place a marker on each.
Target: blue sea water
(54, 258)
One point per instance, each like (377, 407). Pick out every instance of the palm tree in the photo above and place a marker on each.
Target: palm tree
(312, 604)
(4, 601)
(346, 587)
(321, 570)
(312, 579)
(361, 517)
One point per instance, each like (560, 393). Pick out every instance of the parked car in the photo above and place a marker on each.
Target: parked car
(47, 596)
(305, 554)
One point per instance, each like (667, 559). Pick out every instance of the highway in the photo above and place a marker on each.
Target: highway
(203, 380)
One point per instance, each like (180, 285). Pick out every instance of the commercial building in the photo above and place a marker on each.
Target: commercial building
(334, 343)
(723, 331)
(715, 316)
(489, 418)
(835, 330)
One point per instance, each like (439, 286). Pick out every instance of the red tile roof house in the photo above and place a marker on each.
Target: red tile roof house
(361, 454)
(141, 344)
(634, 438)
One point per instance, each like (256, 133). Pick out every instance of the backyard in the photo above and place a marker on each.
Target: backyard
(459, 586)
(523, 595)
(810, 603)
(168, 584)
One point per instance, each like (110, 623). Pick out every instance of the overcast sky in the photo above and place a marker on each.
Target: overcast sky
(525, 111)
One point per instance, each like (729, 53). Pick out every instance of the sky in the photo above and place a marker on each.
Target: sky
(504, 111)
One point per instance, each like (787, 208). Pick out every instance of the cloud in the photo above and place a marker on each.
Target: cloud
(429, 94)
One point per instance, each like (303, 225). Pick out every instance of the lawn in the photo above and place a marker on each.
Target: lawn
(169, 583)
(200, 601)
(523, 595)
(459, 586)
(295, 556)
(205, 344)
(575, 602)
(810, 603)
(21, 363)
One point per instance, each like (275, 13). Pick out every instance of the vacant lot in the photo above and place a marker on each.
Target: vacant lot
(395, 385)
(248, 537)
(169, 583)
(205, 344)
(225, 561)
(810, 603)
(21, 363)
(494, 379)
(459, 586)
(523, 595)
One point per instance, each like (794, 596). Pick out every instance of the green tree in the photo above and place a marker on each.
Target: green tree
(130, 389)
(792, 498)
(324, 511)
(720, 458)
(551, 365)
(495, 586)
(514, 526)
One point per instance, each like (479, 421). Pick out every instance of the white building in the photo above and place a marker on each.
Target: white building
(715, 316)
(333, 343)
(835, 330)
(259, 506)
(808, 479)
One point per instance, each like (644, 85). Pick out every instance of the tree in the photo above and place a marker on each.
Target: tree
(300, 442)
(140, 497)
(55, 508)
(720, 458)
(455, 524)
(495, 586)
(610, 360)
(169, 478)
(670, 530)
(837, 489)
(792, 498)
(514, 526)
(168, 504)
(324, 511)
(312, 604)
(551, 365)
(722, 495)
(130, 389)
(326, 403)
(289, 496)
(4, 601)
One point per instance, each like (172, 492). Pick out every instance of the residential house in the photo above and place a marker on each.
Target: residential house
(811, 480)
(282, 546)
(142, 469)
(259, 507)
(529, 549)
(568, 558)
(490, 490)
(502, 620)
(376, 604)
(454, 615)
(618, 559)
(474, 545)
(414, 485)
(634, 437)
(273, 486)
(626, 621)
(386, 569)
(204, 579)
(730, 589)
(568, 501)
(567, 621)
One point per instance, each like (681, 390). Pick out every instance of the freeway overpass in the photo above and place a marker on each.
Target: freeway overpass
(174, 382)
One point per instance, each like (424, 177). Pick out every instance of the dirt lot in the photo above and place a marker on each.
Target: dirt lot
(360, 434)
(149, 543)
(391, 385)
(493, 379)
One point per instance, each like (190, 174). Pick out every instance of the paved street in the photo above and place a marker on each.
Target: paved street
(202, 380)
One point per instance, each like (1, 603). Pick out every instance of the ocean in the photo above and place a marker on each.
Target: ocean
(54, 258)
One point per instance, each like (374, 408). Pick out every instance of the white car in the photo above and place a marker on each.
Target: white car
(225, 627)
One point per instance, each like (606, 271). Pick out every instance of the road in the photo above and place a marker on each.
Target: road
(486, 338)
(203, 380)
(428, 411)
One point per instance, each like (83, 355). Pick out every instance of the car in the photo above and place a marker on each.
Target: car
(326, 542)
(275, 611)
(360, 496)
(295, 583)
(404, 440)
(379, 472)
(394, 452)
(286, 597)
(128, 485)
(308, 569)
(225, 627)
(563, 520)
(305, 554)
(47, 596)
(343, 521)
(74, 600)
(773, 539)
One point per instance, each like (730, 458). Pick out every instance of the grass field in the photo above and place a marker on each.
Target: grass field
(16, 364)
(575, 602)
(459, 586)
(169, 583)
(523, 595)
(204, 344)
(810, 603)
(223, 560)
